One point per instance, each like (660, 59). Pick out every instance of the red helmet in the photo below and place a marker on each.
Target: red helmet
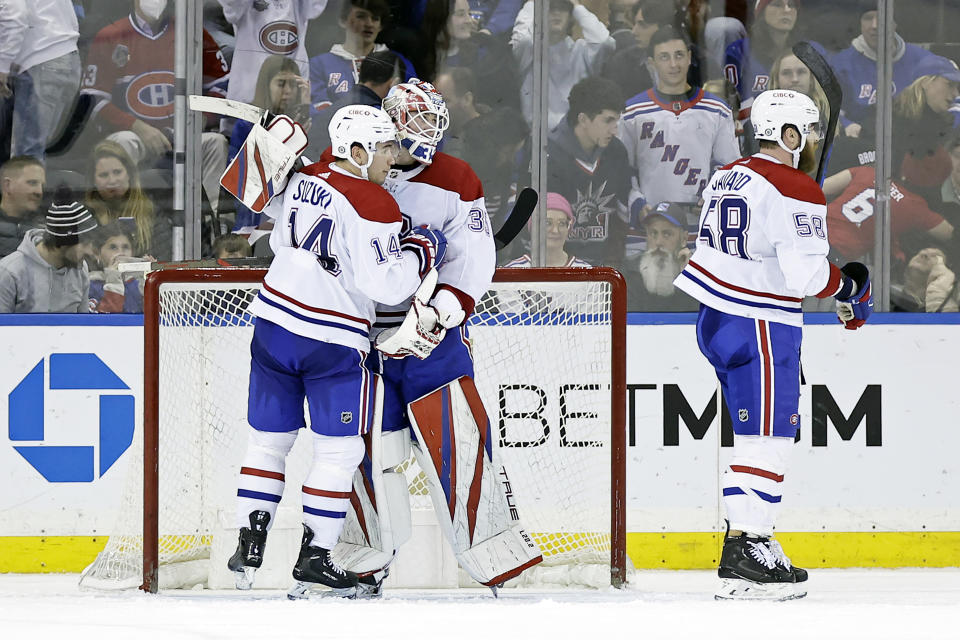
(421, 117)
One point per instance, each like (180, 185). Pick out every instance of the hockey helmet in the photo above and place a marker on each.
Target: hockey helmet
(773, 110)
(421, 116)
(360, 124)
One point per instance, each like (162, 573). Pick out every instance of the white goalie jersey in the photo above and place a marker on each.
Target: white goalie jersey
(336, 240)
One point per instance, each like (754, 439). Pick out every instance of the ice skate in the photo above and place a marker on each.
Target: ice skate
(250, 547)
(370, 587)
(315, 568)
(800, 575)
(749, 570)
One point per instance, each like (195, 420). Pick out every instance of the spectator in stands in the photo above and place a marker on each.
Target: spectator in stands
(856, 70)
(588, 165)
(559, 221)
(39, 72)
(850, 221)
(630, 67)
(265, 29)
(116, 194)
(487, 56)
(458, 87)
(492, 145)
(928, 285)
(334, 73)
(231, 245)
(718, 34)
(130, 75)
(110, 290)
(922, 122)
(379, 71)
(281, 90)
(495, 17)
(570, 60)
(650, 281)
(47, 272)
(949, 202)
(21, 193)
(675, 134)
(748, 60)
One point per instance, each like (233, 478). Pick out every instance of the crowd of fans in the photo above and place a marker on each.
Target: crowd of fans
(645, 99)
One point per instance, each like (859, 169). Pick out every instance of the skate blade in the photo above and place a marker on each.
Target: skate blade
(243, 579)
(737, 589)
(307, 590)
(369, 592)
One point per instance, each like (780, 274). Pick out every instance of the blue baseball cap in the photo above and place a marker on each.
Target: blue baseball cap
(934, 65)
(670, 211)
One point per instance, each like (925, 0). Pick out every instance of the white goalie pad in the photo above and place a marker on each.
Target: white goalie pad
(468, 491)
(378, 521)
(262, 168)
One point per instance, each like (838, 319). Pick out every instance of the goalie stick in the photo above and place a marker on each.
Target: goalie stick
(831, 88)
(523, 208)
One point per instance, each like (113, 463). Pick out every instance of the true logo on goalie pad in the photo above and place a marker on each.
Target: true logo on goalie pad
(346, 417)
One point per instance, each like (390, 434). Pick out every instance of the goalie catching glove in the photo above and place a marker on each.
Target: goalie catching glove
(855, 299)
(268, 156)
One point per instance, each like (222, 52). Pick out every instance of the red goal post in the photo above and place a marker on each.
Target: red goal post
(545, 286)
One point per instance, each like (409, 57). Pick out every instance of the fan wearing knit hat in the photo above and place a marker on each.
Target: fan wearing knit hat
(47, 272)
(559, 221)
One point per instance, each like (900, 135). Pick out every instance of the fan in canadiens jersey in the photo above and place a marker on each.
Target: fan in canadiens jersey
(762, 247)
(443, 193)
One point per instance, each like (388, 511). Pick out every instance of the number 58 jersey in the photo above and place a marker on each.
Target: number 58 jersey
(762, 244)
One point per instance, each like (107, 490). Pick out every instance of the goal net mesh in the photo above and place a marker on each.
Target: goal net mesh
(542, 354)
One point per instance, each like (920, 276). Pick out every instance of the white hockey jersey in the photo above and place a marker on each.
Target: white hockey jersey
(336, 240)
(263, 29)
(447, 195)
(763, 242)
(674, 145)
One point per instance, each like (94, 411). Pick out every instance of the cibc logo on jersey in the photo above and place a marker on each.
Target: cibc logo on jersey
(280, 37)
(150, 95)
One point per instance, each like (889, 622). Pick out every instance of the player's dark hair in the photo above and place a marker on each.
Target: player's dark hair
(379, 8)
(16, 164)
(592, 95)
(668, 33)
(382, 66)
(231, 243)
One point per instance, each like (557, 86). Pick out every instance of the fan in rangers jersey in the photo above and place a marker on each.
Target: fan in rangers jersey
(762, 247)
(676, 133)
(560, 221)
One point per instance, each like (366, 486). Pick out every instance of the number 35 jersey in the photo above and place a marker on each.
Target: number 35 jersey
(336, 240)
(762, 244)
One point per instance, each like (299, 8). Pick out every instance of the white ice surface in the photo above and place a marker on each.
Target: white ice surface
(849, 604)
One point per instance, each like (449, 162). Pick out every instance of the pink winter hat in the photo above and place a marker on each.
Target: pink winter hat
(558, 202)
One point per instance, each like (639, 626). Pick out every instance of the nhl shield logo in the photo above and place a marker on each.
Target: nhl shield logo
(744, 415)
(346, 417)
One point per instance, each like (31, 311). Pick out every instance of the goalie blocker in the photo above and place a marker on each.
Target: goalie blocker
(469, 493)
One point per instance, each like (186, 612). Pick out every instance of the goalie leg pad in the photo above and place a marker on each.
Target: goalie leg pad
(378, 520)
(467, 490)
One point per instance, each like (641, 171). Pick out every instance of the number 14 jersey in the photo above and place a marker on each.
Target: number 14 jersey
(762, 244)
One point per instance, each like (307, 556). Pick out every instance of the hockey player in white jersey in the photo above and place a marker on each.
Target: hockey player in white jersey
(338, 253)
(763, 247)
(429, 391)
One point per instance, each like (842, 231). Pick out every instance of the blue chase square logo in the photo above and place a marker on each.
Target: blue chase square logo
(75, 371)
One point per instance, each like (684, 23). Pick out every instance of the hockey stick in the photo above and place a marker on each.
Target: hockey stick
(831, 88)
(225, 107)
(523, 208)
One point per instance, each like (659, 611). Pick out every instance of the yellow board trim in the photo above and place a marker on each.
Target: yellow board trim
(71, 554)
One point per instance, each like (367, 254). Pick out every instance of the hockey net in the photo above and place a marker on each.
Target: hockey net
(549, 353)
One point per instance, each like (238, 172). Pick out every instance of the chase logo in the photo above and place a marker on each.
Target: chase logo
(73, 371)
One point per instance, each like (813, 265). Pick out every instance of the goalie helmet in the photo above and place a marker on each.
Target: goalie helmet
(421, 116)
(773, 110)
(363, 125)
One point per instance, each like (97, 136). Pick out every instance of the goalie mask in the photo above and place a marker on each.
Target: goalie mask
(774, 110)
(363, 125)
(421, 116)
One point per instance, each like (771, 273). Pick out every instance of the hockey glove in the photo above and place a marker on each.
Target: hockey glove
(853, 310)
(429, 245)
(420, 332)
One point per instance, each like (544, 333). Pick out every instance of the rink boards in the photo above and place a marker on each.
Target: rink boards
(874, 478)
